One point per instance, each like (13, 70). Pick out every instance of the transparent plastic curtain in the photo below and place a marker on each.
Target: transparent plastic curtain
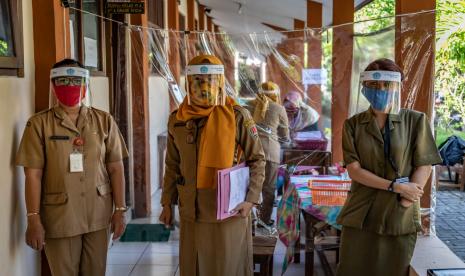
(302, 61)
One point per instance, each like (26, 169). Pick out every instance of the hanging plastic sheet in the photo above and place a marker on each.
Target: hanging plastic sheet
(318, 75)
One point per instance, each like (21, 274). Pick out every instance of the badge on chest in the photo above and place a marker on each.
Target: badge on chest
(76, 160)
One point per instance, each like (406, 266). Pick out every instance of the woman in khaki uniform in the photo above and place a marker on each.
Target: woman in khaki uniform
(273, 130)
(72, 157)
(204, 136)
(388, 152)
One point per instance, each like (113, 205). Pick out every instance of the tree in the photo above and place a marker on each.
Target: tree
(450, 64)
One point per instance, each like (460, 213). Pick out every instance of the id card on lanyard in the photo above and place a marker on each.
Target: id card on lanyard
(76, 160)
(76, 163)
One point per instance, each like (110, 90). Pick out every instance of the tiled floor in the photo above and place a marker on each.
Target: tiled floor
(162, 258)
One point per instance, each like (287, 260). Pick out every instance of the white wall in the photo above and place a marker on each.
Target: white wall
(16, 106)
(159, 110)
(100, 89)
(183, 8)
(196, 10)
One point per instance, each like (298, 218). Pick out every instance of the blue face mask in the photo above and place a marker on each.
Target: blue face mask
(377, 98)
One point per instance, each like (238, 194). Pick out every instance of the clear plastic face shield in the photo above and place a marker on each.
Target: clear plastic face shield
(382, 90)
(205, 85)
(69, 86)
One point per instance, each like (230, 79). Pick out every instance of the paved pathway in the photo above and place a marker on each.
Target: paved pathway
(450, 220)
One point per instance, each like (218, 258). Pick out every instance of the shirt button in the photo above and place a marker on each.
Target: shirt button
(190, 124)
(190, 138)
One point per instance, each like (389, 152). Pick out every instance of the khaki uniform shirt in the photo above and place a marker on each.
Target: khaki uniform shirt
(72, 203)
(181, 166)
(412, 145)
(273, 130)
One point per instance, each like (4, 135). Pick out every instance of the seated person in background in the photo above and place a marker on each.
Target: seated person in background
(273, 129)
(301, 116)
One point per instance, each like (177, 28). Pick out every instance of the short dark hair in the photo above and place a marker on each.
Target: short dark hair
(68, 62)
(385, 64)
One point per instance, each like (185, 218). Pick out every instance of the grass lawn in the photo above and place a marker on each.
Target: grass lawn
(443, 134)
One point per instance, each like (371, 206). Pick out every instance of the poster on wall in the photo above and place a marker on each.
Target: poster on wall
(90, 52)
(313, 76)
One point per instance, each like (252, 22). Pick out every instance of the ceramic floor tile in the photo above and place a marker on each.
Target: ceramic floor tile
(169, 247)
(153, 258)
(152, 270)
(147, 220)
(129, 258)
(128, 247)
(118, 270)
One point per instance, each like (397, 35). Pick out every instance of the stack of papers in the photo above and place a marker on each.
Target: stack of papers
(233, 184)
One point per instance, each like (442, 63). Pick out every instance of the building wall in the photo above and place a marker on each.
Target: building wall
(16, 106)
(159, 109)
(100, 88)
(183, 8)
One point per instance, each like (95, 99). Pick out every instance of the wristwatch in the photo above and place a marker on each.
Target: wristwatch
(391, 186)
(122, 209)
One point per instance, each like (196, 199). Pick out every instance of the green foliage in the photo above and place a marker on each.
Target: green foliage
(450, 64)
(3, 48)
(375, 10)
(442, 135)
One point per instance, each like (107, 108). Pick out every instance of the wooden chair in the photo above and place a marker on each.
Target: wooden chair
(263, 251)
(459, 170)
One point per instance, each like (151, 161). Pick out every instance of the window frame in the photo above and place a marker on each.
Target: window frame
(14, 66)
(102, 72)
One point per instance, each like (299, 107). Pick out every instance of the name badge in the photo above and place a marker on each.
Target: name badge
(75, 162)
(402, 180)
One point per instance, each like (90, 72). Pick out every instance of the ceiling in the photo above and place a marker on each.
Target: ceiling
(248, 16)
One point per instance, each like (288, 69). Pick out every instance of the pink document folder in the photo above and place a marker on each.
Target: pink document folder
(224, 184)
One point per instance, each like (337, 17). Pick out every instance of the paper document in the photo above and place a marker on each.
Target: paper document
(309, 135)
(239, 180)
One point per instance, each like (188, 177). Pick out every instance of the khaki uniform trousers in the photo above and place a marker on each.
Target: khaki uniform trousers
(268, 191)
(216, 249)
(84, 254)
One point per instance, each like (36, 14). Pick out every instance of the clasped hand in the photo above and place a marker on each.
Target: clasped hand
(410, 191)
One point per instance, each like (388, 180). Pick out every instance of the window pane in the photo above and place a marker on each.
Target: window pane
(73, 34)
(91, 33)
(6, 33)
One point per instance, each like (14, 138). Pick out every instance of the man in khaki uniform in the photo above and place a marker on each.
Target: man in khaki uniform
(72, 157)
(273, 130)
(204, 135)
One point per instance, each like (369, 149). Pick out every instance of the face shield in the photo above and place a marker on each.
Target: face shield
(69, 86)
(382, 90)
(205, 85)
(272, 92)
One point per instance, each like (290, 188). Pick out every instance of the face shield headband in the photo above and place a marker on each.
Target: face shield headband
(209, 86)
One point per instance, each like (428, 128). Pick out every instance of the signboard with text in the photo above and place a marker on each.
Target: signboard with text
(313, 76)
(125, 7)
